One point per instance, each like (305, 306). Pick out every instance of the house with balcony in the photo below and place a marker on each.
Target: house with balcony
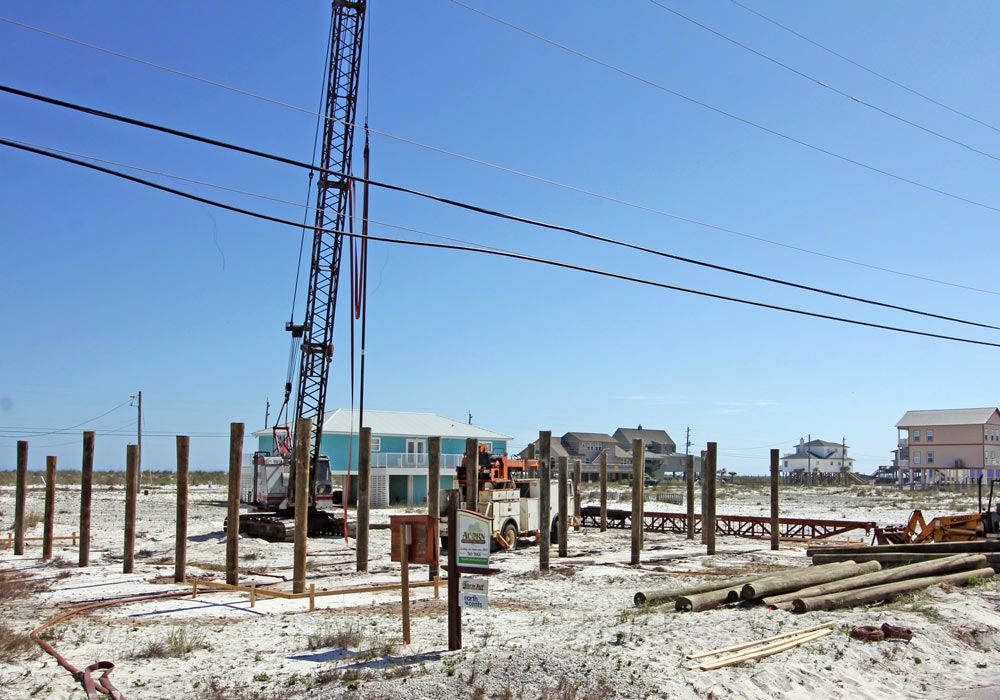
(949, 446)
(817, 457)
(399, 450)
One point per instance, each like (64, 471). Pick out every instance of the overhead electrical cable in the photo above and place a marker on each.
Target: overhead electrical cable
(56, 431)
(512, 255)
(823, 83)
(725, 113)
(865, 68)
(503, 168)
(565, 229)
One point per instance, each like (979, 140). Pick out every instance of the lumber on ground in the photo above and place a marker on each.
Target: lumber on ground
(757, 642)
(877, 594)
(955, 562)
(923, 547)
(666, 595)
(725, 592)
(736, 595)
(800, 578)
(899, 558)
(766, 650)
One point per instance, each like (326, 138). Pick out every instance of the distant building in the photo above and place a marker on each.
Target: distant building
(399, 450)
(949, 446)
(817, 457)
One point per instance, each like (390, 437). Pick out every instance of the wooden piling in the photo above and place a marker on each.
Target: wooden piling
(404, 580)
(638, 462)
(544, 498)
(689, 478)
(472, 474)
(434, 492)
(180, 533)
(454, 608)
(577, 478)
(774, 501)
(20, 493)
(563, 514)
(704, 498)
(303, 463)
(131, 487)
(709, 476)
(233, 517)
(604, 491)
(364, 498)
(50, 507)
(86, 489)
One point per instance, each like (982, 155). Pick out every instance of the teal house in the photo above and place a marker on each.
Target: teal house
(399, 450)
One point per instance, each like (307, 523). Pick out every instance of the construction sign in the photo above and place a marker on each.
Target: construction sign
(474, 532)
(474, 592)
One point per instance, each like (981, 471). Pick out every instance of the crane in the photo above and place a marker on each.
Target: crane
(275, 475)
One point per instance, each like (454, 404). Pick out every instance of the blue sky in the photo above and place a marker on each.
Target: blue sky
(110, 287)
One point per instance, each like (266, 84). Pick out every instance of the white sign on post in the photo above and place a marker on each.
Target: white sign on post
(474, 533)
(474, 592)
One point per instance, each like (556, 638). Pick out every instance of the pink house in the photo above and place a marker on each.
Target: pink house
(949, 446)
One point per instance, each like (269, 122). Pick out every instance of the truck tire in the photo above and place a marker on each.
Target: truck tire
(509, 534)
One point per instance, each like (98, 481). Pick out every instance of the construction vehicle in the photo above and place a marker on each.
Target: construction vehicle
(315, 334)
(946, 528)
(509, 492)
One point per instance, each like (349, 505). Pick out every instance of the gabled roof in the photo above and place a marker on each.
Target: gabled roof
(403, 424)
(631, 434)
(821, 443)
(947, 416)
(589, 437)
(555, 449)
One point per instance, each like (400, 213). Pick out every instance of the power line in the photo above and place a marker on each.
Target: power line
(725, 113)
(541, 224)
(89, 420)
(505, 254)
(823, 83)
(502, 168)
(865, 68)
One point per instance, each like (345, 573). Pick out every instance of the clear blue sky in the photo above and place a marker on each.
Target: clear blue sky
(109, 287)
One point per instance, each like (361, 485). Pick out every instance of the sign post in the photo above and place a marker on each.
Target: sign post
(454, 611)
(469, 536)
(414, 540)
(405, 583)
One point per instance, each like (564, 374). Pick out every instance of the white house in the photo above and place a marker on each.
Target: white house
(817, 456)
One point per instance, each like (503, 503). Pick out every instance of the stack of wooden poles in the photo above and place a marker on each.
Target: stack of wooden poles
(842, 584)
(899, 554)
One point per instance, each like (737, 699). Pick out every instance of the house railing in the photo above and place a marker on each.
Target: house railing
(411, 460)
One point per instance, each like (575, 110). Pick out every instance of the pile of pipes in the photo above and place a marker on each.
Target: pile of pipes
(900, 554)
(825, 587)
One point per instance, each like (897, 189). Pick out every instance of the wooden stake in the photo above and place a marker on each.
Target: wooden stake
(709, 522)
(472, 474)
(303, 435)
(20, 492)
(604, 492)
(454, 609)
(312, 597)
(577, 520)
(364, 498)
(131, 483)
(253, 594)
(563, 514)
(638, 461)
(404, 563)
(434, 495)
(233, 517)
(180, 533)
(689, 477)
(775, 524)
(86, 487)
(544, 498)
(50, 507)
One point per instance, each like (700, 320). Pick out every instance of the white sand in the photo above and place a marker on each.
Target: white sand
(572, 633)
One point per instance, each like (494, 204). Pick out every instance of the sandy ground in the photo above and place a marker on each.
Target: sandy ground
(572, 633)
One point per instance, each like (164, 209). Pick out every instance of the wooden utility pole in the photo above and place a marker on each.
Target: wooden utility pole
(364, 498)
(544, 499)
(86, 488)
(303, 433)
(233, 516)
(434, 492)
(50, 507)
(131, 487)
(709, 522)
(180, 534)
(604, 491)
(638, 462)
(20, 493)
(472, 474)
(454, 608)
(774, 500)
(563, 515)
(576, 496)
(689, 478)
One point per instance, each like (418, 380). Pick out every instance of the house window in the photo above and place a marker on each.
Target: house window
(489, 446)
(376, 444)
(930, 458)
(916, 457)
(930, 436)
(916, 436)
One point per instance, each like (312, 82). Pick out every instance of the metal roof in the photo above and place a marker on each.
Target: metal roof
(590, 437)
(947, 416)
(401, 423)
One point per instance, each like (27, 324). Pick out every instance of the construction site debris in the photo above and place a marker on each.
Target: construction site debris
(760, 648)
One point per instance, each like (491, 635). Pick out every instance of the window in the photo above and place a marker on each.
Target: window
(376, 444)
(916, 436)
(930, 436)
(489, 446)
(916, 457)
(930, 458)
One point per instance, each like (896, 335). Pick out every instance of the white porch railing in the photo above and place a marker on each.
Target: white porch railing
(412, 460)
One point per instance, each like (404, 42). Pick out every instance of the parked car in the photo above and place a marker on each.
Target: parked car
(650, 481)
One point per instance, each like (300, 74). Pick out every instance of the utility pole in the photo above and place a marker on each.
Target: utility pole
(843, 456)
(687, 441)
(809, 460)
(137, 398)
(267, 412)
